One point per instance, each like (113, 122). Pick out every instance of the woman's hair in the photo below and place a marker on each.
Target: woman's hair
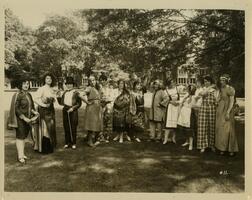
(168, 82)
(21, 81)
(125, 90)
(158, 82)
(97, 85)
(209, 79)
(52, 77)
(225, 77)
(103, 77)
(200, 80)
(135, 84)
(191, 89)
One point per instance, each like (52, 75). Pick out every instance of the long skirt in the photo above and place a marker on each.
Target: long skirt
(206, 126)
(121, 120)
(45, 134)
(225, 137)
(93, 120)
(171, 118)
(189, 131)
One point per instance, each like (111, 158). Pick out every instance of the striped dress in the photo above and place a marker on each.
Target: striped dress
(206, 121)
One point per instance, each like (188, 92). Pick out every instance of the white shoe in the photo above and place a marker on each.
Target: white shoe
(190, 148)
(116, 138)
(128, 138)
(73, 146)
(185, 144)
(26, 158)
(121, 140)
(66, 146)
(202, 150)
(97, 143)
(138, 140)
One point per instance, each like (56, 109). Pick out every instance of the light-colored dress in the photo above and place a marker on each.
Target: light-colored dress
(93, 120)
(159, 99)
(184, 118)
(225, 138)
(171, 117)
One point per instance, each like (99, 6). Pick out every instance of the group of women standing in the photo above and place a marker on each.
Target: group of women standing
(40, 122)
(205, 114)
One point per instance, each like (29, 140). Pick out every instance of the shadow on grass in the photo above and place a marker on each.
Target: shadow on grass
(114, 167)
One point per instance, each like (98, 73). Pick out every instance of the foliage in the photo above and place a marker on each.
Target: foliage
(127, 41)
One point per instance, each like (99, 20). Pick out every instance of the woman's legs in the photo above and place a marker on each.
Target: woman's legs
(152, 130)
(91, 136)
(121, 137)
(190, 143)
(20, 150)
(173, 136)
(159, 133)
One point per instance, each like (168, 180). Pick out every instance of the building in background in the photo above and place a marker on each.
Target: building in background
(188, 73)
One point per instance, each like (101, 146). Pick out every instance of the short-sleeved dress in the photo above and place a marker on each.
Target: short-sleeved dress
(93, 120)
(225, 137)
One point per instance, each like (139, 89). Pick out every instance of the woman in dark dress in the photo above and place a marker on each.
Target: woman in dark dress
(123, 109)
(22, 115)
(138, 118)
(46, 136)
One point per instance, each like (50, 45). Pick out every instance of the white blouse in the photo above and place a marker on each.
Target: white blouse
(43, 93)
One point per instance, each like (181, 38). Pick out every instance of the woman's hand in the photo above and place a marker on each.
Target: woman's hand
(227, 116)
(174, 103)
(27, 120)
(88, 102)
(70, 110)
(58, 93)
(47, 105)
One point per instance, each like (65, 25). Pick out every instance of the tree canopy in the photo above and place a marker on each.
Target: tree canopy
(126, 41)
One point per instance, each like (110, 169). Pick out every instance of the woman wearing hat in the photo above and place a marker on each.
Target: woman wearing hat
(46, 96)
(225, 137)
(22, 115)
(71, 101)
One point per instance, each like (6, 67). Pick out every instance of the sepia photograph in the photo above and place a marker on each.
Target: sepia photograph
(124, 100)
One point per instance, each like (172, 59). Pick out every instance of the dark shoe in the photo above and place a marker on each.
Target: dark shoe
(90, 144)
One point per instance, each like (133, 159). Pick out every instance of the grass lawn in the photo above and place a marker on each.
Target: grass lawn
(127, 167)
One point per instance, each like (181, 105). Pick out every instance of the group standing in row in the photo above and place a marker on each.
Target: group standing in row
(204, 114)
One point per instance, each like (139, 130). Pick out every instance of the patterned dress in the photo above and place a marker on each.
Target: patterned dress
(122, 117)
(138, 118)
(206, 120)
(225, 138)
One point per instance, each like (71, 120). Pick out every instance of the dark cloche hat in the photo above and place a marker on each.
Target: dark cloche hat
(69, 80)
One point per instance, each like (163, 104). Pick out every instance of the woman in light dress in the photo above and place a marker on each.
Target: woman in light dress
(187, 117)
(93, 121)
(172, 109)
(225, 136)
